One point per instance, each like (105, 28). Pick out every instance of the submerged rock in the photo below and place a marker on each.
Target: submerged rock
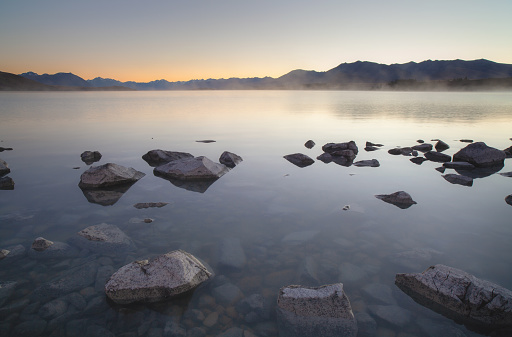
(90, 157)
(198, 168)
(480, 155)
(459, 295)
(367, 163)
(6, 183)
(230, 159)
(6, 290)
(41, 244)
(103, 238)
(158, 279)
(309, 144)
(231, 254)
(141, 205)
(4, 168)
(437, 157)
(458, 179)
(400, 199)
(160, 157)
(299, 159)
(108, 175)
(318, 311)
(57, 250)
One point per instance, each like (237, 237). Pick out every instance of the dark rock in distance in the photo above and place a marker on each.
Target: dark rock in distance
(437, 157)
(299, 159)
(421, 141)
(418, 160)
(109, 175)
(4, 168)
(400, 199)
(41, 244)
(6, 183)
(2, 149)
(458, 179)
(460, 296)
(373, 144)
(423, 147)
(206, 141)
(466, 140)
(159, 157)
(325, 157)
(367, 163)
(90, 157)
(441, 169)
(336, 149)
(441, 146)
(507, 174)
(309, 144)
(230, 159)
(371, 148)
(508, 199)
(480, 155)
(404, 151)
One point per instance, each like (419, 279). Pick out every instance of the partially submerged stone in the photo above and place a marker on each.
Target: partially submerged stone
(441, 146)
(480, 155)
(309, 144)
(367, 163)
(437, 157)
(459, 295)
(90, 157)
(315, 311)
(4, 168)
(141, 205)
(299, 159)
(4, 253)
(198, 168)
(418, 160)
(103, 238)
(41, 244)
(341, 149)
(109, 175)
(162, 278)
(230, 159)
(159, 157)
(6, 183)
(400, 199)
(57, 250)
(458, 179)
(507, 174)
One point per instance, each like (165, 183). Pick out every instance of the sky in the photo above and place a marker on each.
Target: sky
(180, 40)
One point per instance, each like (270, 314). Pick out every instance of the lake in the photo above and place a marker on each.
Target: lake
(289, 221)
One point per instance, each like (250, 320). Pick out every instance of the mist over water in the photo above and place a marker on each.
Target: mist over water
(283, 215)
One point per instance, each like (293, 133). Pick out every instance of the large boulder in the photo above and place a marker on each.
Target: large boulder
(198, 168)
(103, 238)
(109, 175)
(480, 155)
(159, 157)
(318, 311)
(4, 168)
(230, 159)
(299, 159)
(159, 279)
(400, 199)
(459, 295)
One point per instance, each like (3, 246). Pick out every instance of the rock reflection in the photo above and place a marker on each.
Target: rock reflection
(199, 186)
(105, 196)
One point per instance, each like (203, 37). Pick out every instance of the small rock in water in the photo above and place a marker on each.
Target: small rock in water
(230, 159)
(90, 157)
(4, 253)
(506, 174)
(6, 183)
(367, 163)
(41, 244)
(373, 145)
(309, 144)
(2, 149)
(141, 205)
(418, 160)
(400, 199)
(148, 220)
(4, 168)
(441, 169)
(466, 141)
(299, 159)
(76, 168)
(346, 207)
(458, 179)
(423, 147)
(441, 146)
(437, 157)
(109, 175)
(508, 199)
(421, 141)
(206, 141)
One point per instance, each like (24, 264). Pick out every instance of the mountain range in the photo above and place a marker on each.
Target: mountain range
(357, 75)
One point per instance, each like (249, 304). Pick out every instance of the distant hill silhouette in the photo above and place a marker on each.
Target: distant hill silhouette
(361, 75)
(12, 82)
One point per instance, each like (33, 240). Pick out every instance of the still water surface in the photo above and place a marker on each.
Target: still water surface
(284, 216)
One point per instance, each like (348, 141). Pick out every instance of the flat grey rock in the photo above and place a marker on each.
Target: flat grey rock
(159, 157)
(459, 295)
(108, 175)
(198, 168)
(400, 199)
(158, 279)
(480, 155)
(318, 311)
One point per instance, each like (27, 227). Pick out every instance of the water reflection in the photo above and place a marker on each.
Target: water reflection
(105, 196)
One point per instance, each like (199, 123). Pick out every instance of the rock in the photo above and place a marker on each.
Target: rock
(372, 144)
(421, 141)
(418, 160)
(4, 253)
(371, 148)
(227, 294)
(71, 280)
(4, 169)
(438, 157)
(173, 329)
(400, 199)
(508, 199)
(459, 165)
(404, 151)
(2, 149)
(198, 168)
(103, 238)
(299, 159)
(440, 169)
(254, 308)
(211, 319)
(141, 205)
(343, 160)
(508, 152)
(423, 147)
(41, 244)
(6, 183)
(309, 144)
(231, 254)
(506, 174)
(367, 163)
(232, 332)
(108, 175)
(337, 149)
(466, 140)
(458, 179)
(13, 253)
(391, 314)
(6, 290)
(480, 155)
(441, 146)
(325, 157)
(230, 159)
(57, 250)
(459, 295)
(161, 278)
(320, 311)
(90, 157)
(205, 141)
(159, 157)
(53, 309)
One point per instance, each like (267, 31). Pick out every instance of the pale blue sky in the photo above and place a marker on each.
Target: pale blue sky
(190, 39)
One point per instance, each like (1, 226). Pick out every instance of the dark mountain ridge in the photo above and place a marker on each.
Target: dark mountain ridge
(356, 75)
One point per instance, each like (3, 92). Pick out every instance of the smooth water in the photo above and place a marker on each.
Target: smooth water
(285, 217)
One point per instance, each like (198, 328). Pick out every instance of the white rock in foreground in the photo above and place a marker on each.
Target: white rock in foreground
(109, 175)
(456, 293)
(155, 280)
(320, 311)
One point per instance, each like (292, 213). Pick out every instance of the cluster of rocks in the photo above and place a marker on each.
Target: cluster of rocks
(340, 153)
(6, 183)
